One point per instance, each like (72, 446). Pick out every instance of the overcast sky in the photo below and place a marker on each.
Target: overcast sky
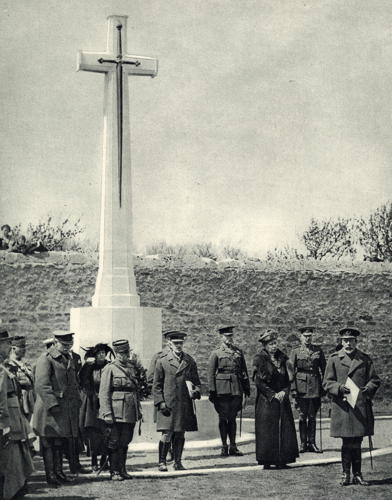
(263, 114)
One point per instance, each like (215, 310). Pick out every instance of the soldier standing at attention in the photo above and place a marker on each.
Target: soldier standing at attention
(15, 460)
(306, 367)
(228, 381)
(351, 424)
(24, 375)
(176, 384)
(119, 407)
(56, 410)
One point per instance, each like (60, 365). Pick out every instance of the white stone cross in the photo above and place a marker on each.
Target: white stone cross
(116, 286)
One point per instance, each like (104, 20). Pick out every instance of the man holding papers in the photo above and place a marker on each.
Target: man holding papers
(351, 381)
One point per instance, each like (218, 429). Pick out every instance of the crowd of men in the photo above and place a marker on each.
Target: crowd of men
(72, 405)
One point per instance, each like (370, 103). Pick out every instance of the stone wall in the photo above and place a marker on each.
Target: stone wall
(37, 293)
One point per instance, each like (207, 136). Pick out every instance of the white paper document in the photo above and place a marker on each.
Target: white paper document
(354, 391)
(190, 387)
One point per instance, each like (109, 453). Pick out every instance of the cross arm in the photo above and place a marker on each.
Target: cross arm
(140, 65)
(98, 62)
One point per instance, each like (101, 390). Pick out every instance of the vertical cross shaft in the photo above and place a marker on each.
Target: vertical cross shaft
(116, 286)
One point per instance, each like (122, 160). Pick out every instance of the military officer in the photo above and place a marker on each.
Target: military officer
(119, 407)
(351, 424)
(228, 381)
(306, 367)
(56, 410)
(24, 375)
(15, 460)
(176, 384)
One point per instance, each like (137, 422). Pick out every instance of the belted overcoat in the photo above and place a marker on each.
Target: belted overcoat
(56, 384)
(346, 421)
(169, 386)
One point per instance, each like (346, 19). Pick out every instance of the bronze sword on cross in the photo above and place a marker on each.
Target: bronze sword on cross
(114, 59)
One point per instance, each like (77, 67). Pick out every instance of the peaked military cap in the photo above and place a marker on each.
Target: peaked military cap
(306, 329)
(4, 336)
(226, 330)
(174, 335)
(63, 335)
(121, 345)
(268, 335)
(349, 332)
(19, 341)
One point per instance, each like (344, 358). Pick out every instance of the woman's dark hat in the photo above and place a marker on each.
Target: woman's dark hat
(268, 335)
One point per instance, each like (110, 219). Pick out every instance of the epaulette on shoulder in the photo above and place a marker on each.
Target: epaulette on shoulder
(334, 354)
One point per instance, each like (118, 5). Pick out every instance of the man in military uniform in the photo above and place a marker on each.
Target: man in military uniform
(119, 407)
(228, 382)
(306, 366)
(24, 375)
(351, 424)
(56, 410)
(176, 384)
(15, 460)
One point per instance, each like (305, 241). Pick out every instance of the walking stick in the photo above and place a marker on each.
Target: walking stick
(370, 451)
(321, 430)
(241, 421)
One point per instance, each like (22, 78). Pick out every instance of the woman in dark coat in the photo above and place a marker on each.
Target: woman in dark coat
(276, 439)
(91, 427)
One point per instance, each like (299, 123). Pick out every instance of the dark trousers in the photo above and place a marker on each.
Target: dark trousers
(351, 455)
(307, 410)
(119, 435)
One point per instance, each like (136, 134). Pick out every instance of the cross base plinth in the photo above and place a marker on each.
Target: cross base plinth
(142, 326)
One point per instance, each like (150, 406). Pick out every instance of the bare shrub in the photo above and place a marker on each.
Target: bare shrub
(375, 234)
(204, 250)
(331, 238)
(232, 252)
(162, 248)
(56, 235)
(287, 253)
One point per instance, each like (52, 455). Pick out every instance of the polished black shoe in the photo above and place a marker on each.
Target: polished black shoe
(234, 451)
(283, 466)
(345, 480)
(52, 480)
(358, 479)
(63, 478)
(178, 466)
(313, 448)
(162, 467)
(225, 451)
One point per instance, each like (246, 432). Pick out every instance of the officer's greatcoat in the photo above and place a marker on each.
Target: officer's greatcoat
(306, 366)
(15, 460)
(170, 387)
(346, 421)
(118, 393)
(56, 384)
